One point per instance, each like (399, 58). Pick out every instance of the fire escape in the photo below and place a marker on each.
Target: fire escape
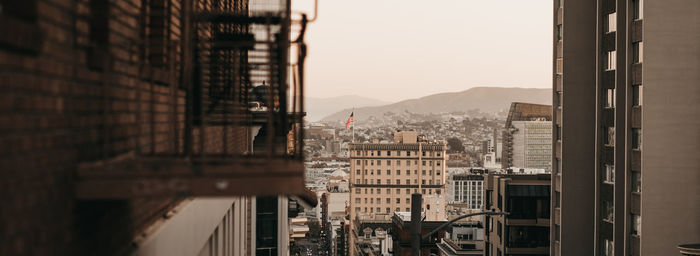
(236, 114)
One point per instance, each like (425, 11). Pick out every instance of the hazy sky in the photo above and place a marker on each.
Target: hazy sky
(400, 49)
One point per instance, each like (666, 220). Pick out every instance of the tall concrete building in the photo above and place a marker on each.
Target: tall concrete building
(527, 137)
(637, 129)
(573, 140)
(525, 230)
(384, 175)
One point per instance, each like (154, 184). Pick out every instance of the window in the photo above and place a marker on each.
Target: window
(371, 200)
(438, 153)
(398, 162)
(559, 32)
(379, 191)
(398, 191)
(388, 210)
(408, 182)
(636, 95)
(408, 200)
(422, 182)
(408, 192)
(388, 200)
(398, 172)
(388, 172)
(636, 224)
(379, 153)
(423, 153)
(637, 139)
(358, 161)
(560, 98)
(437, 191)
(637, 9)
(610, 23)
(398, 200)
(358, 172)
(611, 60)
(438, 182)
(388, 191)
(609, 208)
(388, 153)
(437, 172)
(358, 200)
(408, 153)
(423, 161)
(398, 209)
(636, 182)
(408, 162)
(610, 138)
(379, 172)
(637, 52)
(388, 181)
(365, 172)
(388, 162)
(398, 182)
(371, 162)
(610, 98)
(379, 181)
(609, 173)
(430, 182)
(365, 209)
(371, 172)
(558, 128)
(357, 181)
(430, 172)
(560, 65)
(438, 163)
(358, 191)
(423, 172)
(407, 209)
(608, 248)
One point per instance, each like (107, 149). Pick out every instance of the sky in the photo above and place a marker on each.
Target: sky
(401, 49)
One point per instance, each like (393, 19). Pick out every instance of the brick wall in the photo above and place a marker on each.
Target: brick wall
(74, 98)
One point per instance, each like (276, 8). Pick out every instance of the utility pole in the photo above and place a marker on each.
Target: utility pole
(416, 223)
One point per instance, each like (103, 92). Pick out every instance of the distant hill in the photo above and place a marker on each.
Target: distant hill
(317, 108)
(484, 99)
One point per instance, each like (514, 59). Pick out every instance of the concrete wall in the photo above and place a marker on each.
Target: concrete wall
(670, 126)
(575, 181)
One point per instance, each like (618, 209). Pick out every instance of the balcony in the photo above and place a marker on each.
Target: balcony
(229, 127)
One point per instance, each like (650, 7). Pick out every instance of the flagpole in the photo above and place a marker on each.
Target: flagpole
(353, 126)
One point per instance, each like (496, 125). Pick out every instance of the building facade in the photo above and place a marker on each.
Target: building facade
(383, 176)
(573, 127)
(645, 118)
(525, 230)
(527, 137)
(467, 189)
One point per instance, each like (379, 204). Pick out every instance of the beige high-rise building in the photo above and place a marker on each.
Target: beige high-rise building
(384, 175)
(627, 106)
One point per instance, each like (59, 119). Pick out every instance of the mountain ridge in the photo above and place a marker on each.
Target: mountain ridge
(317, 108)
(484, 99)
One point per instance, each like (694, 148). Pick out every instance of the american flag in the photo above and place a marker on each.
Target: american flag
(350, 120)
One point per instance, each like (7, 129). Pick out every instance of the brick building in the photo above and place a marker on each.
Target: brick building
(116, 114)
